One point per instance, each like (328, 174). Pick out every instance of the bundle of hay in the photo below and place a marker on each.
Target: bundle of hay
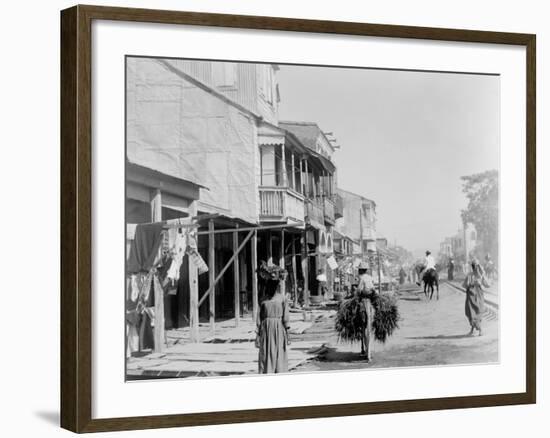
(352, 317)
(386, 316)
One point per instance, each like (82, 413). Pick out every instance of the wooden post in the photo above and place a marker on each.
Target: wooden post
(158, 332)
(361, 230)
(226, 267)
(379, 272)
(269, 249)
(307, 179)
(236, 280)
(282, 260)
(193, 288)
(293, 175)
(156, 206)
(305, 268)
(212, 275)
(254, 254)
(294, 274)
(283, 166)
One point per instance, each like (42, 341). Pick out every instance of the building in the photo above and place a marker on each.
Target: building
(215, 126)
(461, 246)
(319, 192)
(358, 220)
(446, 248)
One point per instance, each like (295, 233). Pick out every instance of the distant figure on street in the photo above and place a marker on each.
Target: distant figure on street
(365, 290)
(475, 300)
(322, 283)
(490, 270)
(451, 270)
(402, 275)
(272, 332)
(429, 263)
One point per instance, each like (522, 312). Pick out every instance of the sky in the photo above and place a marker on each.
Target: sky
(405, 140)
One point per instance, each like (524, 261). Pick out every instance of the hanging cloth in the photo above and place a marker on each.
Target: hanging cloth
(177, 251)
(144, 249)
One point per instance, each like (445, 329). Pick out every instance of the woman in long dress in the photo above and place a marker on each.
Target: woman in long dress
(271, 333)
(475, 300)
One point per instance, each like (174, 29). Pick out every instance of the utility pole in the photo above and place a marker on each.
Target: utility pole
(361, 231)
(379, 272)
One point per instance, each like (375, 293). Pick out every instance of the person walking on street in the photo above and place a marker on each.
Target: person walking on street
(475, 300)
(365, 290)
(451, 270)
(322, 283)
(402, 276)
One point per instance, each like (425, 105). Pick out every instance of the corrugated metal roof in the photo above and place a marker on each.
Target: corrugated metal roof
(306, 132)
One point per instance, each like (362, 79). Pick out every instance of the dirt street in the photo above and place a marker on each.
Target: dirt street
(430, 333)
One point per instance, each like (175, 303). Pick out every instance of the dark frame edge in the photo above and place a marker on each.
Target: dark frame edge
(75, 106)
(69, 328)
(76, 171)
(304, 412)
(531, 218)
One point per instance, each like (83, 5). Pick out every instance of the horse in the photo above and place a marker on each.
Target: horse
(430, 279)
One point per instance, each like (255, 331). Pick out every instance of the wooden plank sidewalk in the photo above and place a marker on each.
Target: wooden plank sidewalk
(229, 351)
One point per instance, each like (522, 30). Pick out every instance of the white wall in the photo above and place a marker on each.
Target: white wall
(214, 148)
(29, 96)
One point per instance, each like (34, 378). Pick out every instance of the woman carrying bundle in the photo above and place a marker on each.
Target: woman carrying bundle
(272, 325)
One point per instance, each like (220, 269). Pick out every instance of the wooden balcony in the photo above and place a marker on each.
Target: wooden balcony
(314, 214)
(279, 204)
(328, 209)
(338, 206)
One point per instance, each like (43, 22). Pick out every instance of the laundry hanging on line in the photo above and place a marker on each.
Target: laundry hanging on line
(144, 248)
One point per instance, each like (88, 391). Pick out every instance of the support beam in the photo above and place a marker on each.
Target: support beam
(158, 332)
(293, 175)
(159, 338)
(305, 268)
(156, 206)
(226, 267)
(379, 273)
(211, 275)
(282, 261)
(294, 273)
(236, 279)
(269, 249)
(361, 231)
(283, 166)
(302, 180)
(307, 180)
(254, 256)
(193, 289)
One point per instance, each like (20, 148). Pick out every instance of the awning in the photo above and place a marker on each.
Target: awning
(270, 135)
(322, 161)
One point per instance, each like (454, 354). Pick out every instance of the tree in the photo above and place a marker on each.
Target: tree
(481, 190)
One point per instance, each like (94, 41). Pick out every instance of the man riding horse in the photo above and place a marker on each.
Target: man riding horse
(428, 274)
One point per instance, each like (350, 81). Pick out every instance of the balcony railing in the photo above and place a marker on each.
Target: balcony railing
(314, 213)
(280, 204)
(338, 206)
(329, 211)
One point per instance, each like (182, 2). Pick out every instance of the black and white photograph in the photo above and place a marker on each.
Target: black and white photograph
(289, 218)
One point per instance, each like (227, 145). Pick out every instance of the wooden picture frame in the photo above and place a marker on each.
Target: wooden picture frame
(76, 217)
